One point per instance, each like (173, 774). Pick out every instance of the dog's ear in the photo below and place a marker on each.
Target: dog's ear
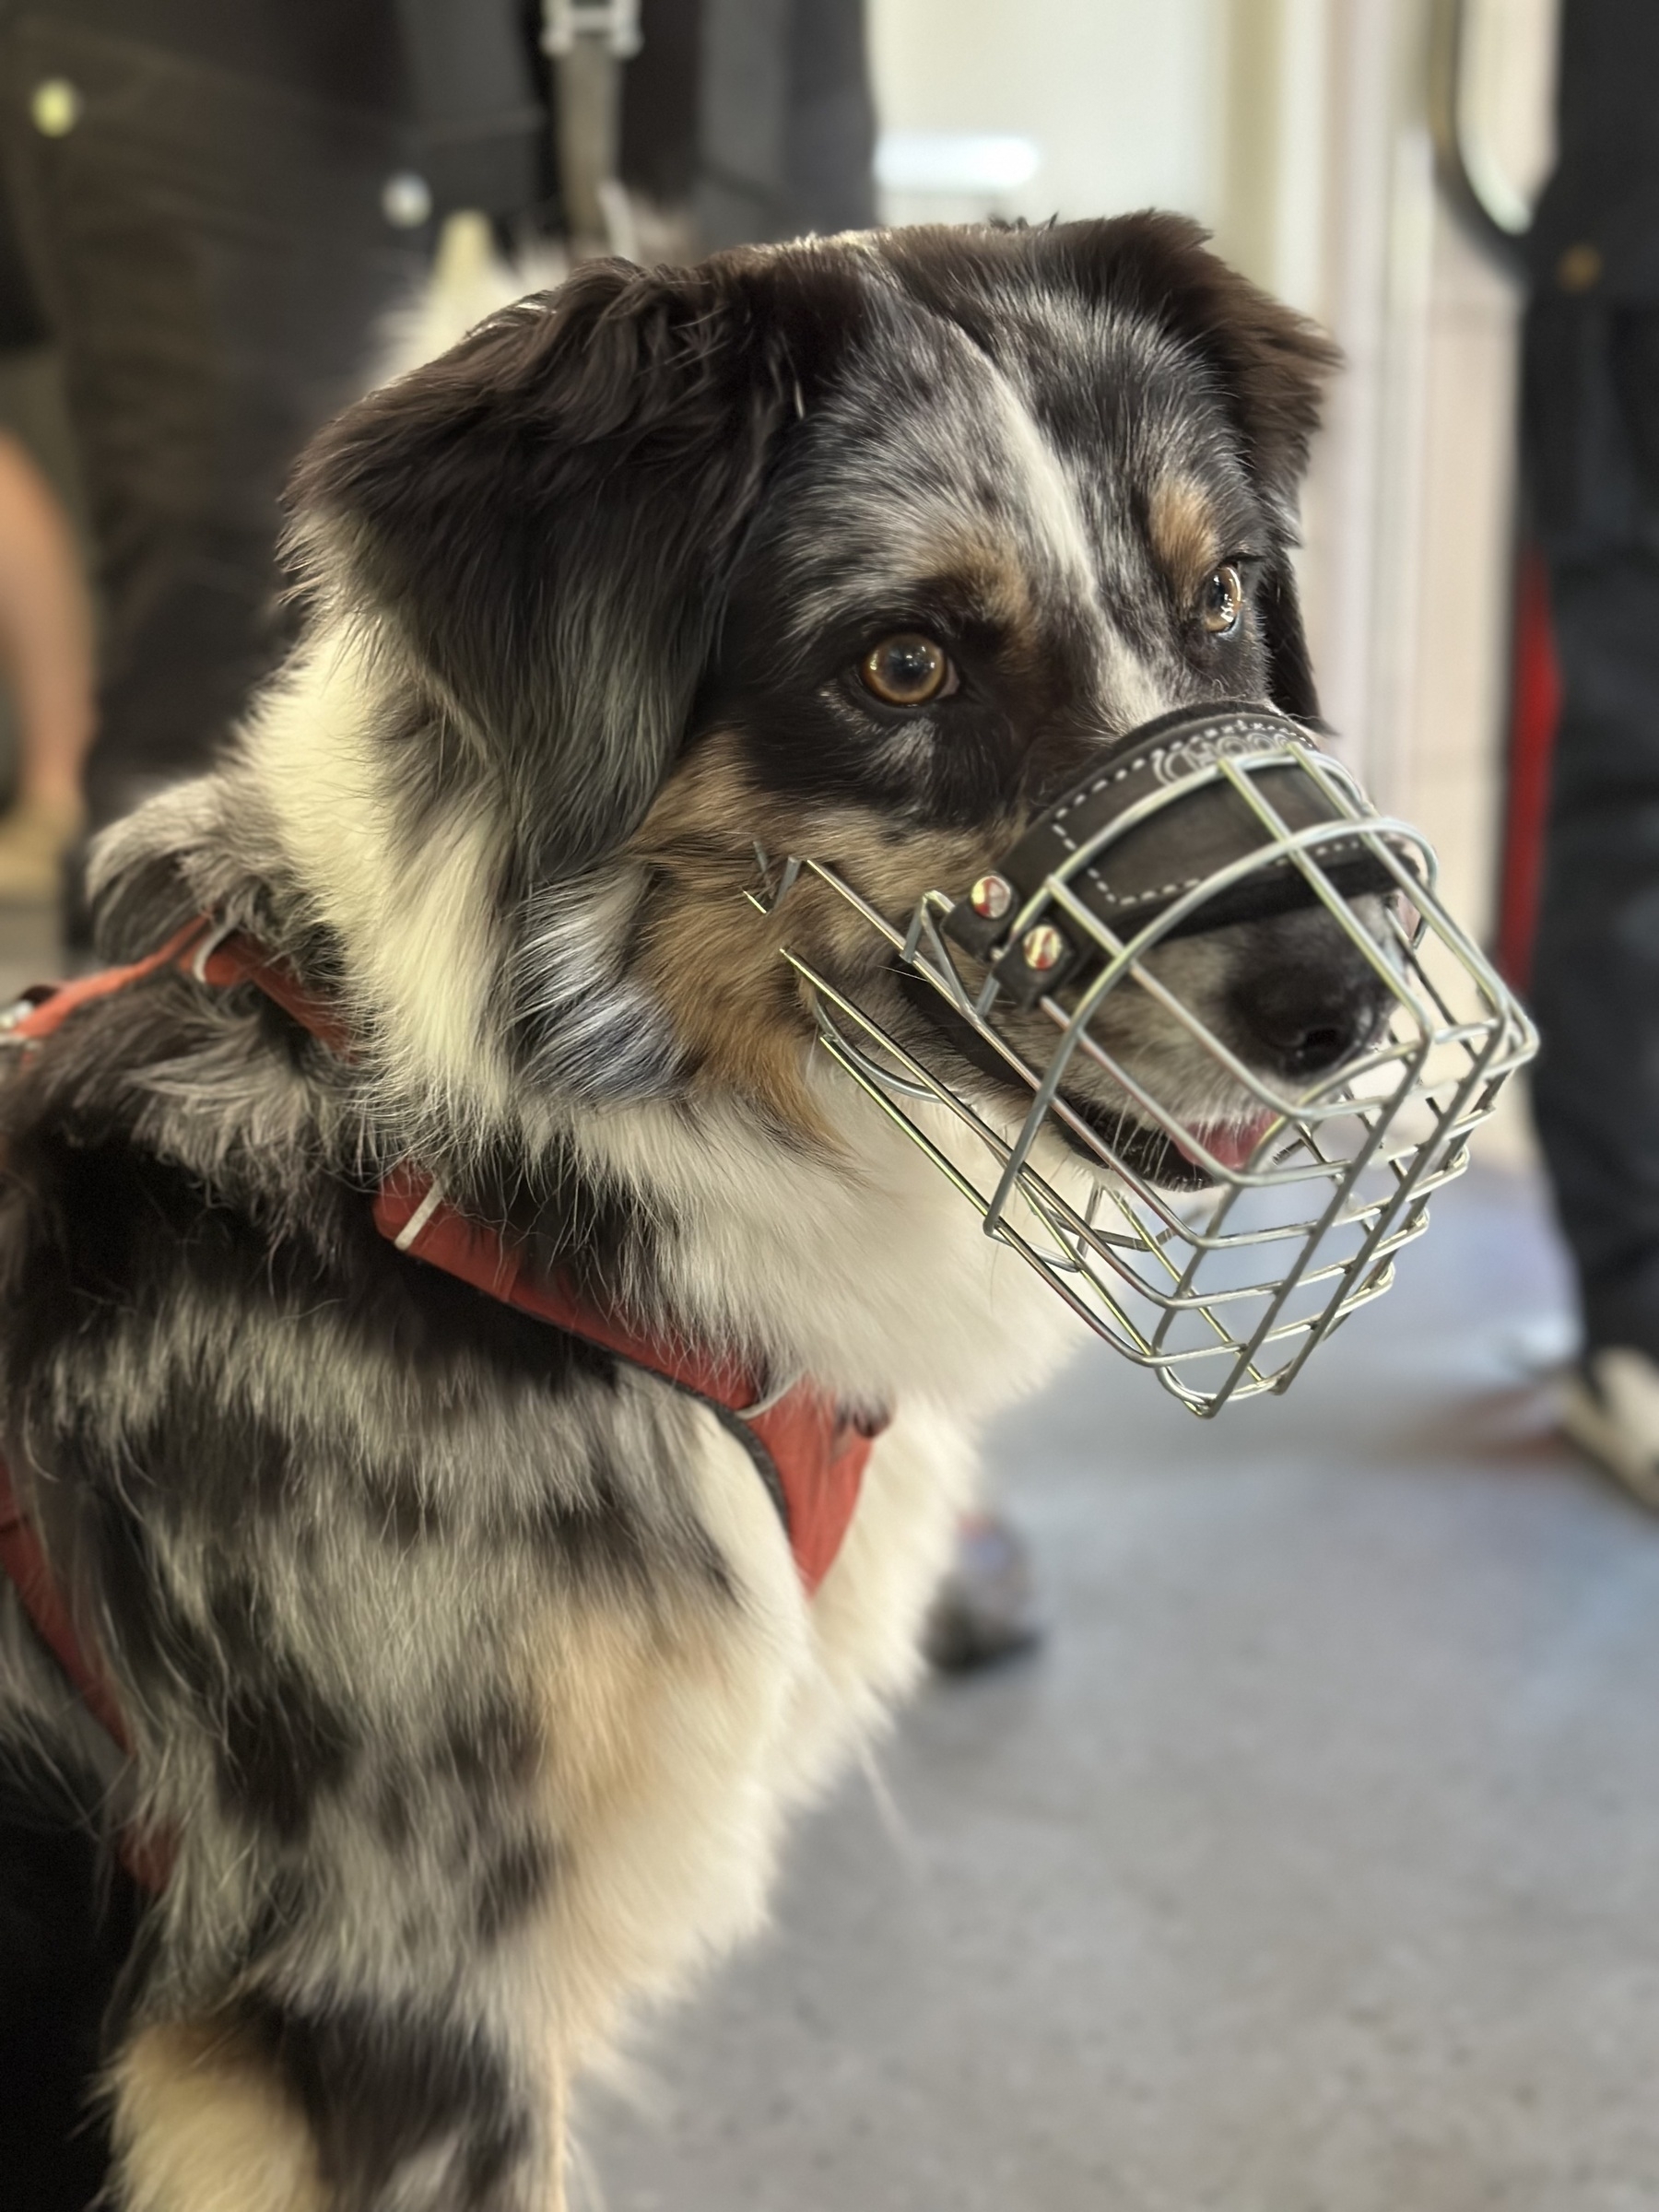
(1271, 366)
(546, 517)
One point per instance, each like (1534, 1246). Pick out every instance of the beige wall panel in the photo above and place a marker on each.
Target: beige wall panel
(1122, 97)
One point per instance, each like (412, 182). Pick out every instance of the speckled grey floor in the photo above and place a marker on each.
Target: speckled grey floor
(1312, 1867)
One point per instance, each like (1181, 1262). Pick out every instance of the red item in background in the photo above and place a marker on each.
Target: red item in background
(1535, 711)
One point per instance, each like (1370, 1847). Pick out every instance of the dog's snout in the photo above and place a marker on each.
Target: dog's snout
(1308, 1030)
(1308, 998)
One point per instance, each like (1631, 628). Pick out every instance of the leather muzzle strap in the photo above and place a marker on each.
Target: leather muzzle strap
(1204, 827)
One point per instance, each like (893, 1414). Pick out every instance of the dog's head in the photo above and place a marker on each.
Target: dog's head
(862, 548)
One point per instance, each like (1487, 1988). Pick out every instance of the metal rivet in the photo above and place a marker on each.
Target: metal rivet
(1043, 947)
(54, 106)
(990, 898)
(1580, 267)
(406, 200)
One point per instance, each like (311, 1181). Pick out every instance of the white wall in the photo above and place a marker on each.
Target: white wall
(1122, 96)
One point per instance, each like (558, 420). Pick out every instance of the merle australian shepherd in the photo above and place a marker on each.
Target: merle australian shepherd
(465, 1668)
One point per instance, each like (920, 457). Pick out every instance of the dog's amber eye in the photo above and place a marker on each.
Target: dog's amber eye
(1223, 601)
(907, 670)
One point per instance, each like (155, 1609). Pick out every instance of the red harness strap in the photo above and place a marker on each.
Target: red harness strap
(146, 1857)
(810, 1451)
(25, 1563)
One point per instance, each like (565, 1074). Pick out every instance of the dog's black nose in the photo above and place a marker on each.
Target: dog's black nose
(1307, 997)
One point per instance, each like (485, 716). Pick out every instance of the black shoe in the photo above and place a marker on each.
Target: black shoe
(986, 1606)
(1610, 1409)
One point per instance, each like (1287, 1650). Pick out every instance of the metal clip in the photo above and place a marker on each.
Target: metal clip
(615, 21)
(764, 1404)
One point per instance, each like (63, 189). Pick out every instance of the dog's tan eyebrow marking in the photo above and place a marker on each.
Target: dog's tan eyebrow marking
(1181, 524)
(993, 581)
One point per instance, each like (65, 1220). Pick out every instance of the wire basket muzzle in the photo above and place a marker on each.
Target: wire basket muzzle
(1211, 1207)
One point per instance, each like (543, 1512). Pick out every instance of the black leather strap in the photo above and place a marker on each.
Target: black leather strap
(1180, 845)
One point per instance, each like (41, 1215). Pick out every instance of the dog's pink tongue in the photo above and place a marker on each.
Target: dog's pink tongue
(1229, 1143)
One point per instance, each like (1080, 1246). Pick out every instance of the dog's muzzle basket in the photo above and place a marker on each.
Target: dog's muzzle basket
(1296, 1205)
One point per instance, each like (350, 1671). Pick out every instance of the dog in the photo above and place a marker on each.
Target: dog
(468, 1676)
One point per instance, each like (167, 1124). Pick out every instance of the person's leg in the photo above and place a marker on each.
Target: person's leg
(213, 255)
(46, 651)
(1590, 421)
(1596, 993)
(1597, 972)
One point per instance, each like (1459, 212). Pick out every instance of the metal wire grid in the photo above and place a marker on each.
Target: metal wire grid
(1224, 1294)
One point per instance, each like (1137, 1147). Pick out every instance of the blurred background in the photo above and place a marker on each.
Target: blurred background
(1309, 1863)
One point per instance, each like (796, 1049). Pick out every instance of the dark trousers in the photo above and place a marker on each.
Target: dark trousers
(212, 257)
(1591, 433)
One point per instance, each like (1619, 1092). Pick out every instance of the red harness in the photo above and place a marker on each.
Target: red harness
(810, 1450)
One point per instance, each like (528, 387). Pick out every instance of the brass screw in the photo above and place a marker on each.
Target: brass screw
(1580, 267)
(1043, 947)
(990, 898)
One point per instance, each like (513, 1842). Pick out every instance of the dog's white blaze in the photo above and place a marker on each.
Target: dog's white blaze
(1056, 511)
(1051, 500)
(1124, 678)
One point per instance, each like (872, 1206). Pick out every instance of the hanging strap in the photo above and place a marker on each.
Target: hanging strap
(587, 41)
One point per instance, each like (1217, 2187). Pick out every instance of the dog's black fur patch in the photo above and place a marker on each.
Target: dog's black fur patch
(380, 2088)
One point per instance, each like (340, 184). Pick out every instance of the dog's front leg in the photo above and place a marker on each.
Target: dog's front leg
(261, 2114)
(203, 2121)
